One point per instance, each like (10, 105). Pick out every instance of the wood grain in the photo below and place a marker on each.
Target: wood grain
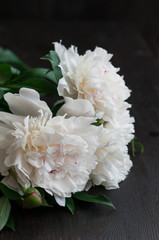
(137, 201)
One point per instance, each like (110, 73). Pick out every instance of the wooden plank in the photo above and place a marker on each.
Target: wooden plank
(137, 200)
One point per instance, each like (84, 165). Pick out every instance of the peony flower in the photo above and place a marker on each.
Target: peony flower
(56, 154)
(113, 160)
(92, 77)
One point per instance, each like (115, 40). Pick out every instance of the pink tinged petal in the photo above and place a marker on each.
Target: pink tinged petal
(78, 107)
(27, 102)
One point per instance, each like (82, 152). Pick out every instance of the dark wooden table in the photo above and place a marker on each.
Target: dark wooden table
(137, 201)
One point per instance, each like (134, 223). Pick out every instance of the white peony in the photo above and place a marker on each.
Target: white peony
(92, 77)
(113, 160)
(56, 154)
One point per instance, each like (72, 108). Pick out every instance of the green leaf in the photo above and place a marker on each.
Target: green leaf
(42, 73)
(28, 191)
(5, 209)
(45, 204)
(102, 199)
(5, 72)
(39, 84)
(14, 71)
(1, 93)
(53, 57)
(70, 204)
(39, 79)
(55, 60)
(10, 223)
(9, 193)
(99, 121)
(50, 199)
(7, 56)
(135, 144)
(37, 73)
(140, 145)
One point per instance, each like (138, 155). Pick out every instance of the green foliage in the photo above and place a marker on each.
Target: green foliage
(32, 198)
(45, 203)
(50, 199)
(14, 74)
(10, 223)
(9, 193)
(135, 144)
(43, 195)
(5, 209)
(1, 93)
(39, 79)
(5, 72)
(99, 121)
(70, 204)
(54, 60)
(102, 199)
(7, 56)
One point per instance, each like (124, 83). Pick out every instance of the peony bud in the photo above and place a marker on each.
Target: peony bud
(32, 199)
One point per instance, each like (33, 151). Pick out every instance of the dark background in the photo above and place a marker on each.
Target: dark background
(143, 14)
(130, 30)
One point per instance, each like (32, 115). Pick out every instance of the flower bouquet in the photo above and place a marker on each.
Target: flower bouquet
(55, 155)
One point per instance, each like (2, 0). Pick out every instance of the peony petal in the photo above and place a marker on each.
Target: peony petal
(66, 88)
(11, 182)
(78, 107)
(27, 102)
(60, 200)
(9, 119)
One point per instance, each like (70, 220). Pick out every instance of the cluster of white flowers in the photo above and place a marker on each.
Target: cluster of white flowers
(67, 153)
(92, 78)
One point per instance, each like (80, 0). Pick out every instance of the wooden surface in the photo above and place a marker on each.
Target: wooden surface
(137, 201)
